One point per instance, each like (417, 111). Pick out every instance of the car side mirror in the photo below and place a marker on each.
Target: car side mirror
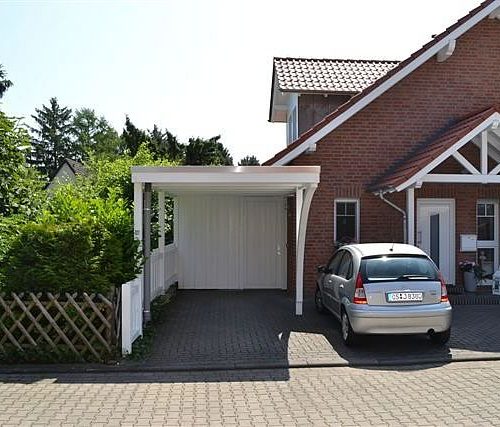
(324, 269)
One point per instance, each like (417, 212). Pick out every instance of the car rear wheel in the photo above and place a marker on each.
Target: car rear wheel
(348, 335)
(318, 301)
(440, 338)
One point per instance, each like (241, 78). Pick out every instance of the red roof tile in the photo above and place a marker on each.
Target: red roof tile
(328, 75)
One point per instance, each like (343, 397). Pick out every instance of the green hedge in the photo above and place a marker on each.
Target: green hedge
(79, 243)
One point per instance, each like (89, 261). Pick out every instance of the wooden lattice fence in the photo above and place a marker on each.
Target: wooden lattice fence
(79, 327)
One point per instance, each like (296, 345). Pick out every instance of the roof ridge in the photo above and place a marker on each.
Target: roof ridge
(296, 58)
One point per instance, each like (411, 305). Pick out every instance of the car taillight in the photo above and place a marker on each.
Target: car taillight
(444, 291)
(359, 291)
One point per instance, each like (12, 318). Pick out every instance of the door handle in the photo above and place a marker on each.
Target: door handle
(341, 286)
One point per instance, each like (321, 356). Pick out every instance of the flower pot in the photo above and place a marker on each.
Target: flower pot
(470, 282)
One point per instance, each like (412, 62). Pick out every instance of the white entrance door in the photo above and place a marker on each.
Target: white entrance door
(436, 233)
(264, 243)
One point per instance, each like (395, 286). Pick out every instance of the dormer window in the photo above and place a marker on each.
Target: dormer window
(292, 126)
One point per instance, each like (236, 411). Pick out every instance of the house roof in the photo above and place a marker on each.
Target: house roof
(77, 167)
(384, 83)
(328, 75)
(417, 161)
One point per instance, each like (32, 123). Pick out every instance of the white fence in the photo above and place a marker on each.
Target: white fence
(131, 313)
(163, 270)
(163, 275)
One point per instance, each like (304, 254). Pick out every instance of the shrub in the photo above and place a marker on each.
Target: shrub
(9, 228)
(79, 243)
(52, 257)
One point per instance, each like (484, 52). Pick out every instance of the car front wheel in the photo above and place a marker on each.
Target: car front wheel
(318, 301)
(348, 335)
(441, 338)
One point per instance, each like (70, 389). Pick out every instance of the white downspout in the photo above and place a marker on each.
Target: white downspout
(401, 211)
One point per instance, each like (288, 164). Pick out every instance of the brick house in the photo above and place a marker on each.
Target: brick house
(377, 151)
(408, 151)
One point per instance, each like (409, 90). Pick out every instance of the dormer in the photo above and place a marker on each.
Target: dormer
(304, 90)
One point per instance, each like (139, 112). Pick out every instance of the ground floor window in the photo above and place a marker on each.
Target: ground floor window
(346, 227)
(487, 237)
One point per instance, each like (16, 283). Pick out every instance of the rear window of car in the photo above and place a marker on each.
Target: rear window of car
(383, 268)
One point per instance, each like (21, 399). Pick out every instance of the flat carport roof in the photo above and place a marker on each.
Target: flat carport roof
(227, 179)
(300, 181)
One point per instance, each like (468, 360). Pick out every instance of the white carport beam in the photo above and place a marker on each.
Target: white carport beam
(302, 214)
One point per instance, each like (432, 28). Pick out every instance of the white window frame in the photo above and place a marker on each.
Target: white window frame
(489, 244)
(345, 200)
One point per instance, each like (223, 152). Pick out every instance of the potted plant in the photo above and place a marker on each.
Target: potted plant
(472, 273)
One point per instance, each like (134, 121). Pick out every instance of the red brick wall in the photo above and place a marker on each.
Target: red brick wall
(414, 111)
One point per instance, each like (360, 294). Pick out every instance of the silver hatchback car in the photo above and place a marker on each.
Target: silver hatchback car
(384, 288)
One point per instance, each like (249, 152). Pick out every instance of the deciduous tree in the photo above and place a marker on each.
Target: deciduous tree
(18, 183)
(93, 135)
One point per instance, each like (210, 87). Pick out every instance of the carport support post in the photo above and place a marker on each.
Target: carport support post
(410, 212)
(161, 240)
(161, 220)
(303, 203)
(147, 251)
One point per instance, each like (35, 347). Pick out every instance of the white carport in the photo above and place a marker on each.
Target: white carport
(223, 215)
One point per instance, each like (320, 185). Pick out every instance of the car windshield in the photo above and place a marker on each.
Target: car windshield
(398, 268)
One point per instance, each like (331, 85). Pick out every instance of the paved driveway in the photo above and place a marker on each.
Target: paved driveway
(218, 329)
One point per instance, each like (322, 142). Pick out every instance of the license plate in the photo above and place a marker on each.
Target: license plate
(405, 296)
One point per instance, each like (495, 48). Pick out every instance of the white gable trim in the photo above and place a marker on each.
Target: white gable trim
(387, 84)
(495, 14)
(474, 177)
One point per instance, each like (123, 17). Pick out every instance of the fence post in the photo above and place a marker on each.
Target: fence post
(126, 319)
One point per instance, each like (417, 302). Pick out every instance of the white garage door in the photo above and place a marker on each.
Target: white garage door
(229, 242)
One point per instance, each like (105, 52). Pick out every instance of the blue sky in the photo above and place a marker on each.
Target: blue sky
(199, 68)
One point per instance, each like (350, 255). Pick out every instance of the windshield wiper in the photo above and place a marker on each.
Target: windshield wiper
(413, 277)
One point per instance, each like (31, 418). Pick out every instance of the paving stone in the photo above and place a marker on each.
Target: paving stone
(252, 329)
(453, 394)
